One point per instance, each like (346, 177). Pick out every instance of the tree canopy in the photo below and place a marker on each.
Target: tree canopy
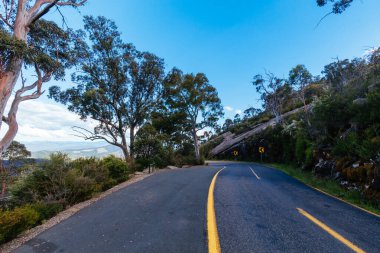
(194, 96)
(118, 86)
(338, 6)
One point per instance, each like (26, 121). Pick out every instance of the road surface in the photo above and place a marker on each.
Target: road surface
(257, 209)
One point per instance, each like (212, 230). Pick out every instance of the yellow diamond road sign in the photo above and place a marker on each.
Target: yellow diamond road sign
(261, 150)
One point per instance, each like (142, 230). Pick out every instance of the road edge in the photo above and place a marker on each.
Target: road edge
(323, 192)
(64, 215)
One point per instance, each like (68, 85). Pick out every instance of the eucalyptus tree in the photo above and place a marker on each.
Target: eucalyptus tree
(117, 86)
(250, 113)
(29, 42)
(197, 98)
(299, 79)
(273, 91)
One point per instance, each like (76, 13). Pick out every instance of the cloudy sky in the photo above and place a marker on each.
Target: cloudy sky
(230, 41)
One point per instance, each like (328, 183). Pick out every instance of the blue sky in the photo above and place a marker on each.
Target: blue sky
(231, 41)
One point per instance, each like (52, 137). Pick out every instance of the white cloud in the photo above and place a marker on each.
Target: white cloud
(238, 111)
(42, 121)
(228, 108)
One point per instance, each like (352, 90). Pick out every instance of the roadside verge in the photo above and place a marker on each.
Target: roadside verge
(328, 187)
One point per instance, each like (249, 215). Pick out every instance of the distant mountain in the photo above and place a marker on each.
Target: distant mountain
(93, 151)
(62, 145)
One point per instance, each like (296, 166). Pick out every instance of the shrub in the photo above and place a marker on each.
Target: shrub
(91, 168)
(302, 144)
(64, 181)
(47, 210)
(16, 221)
(117, 168)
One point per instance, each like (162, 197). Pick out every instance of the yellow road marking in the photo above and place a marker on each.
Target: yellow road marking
(331, 232)
(212, 229)
(254, 173)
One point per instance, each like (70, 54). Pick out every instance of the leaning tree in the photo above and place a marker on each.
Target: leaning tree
(29, 42)
(197, 98)
(117, 86)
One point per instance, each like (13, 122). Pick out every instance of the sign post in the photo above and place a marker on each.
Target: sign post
(261, 151)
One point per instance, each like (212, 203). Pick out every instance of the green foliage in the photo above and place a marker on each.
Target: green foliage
(61, 180)
(46, 210)
(148, 147)
(194, 96)
(338, 6)
(118, 86)
(117, 168)
(302, 149)
(14, 222)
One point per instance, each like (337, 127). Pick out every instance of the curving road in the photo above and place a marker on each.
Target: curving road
(258, 209)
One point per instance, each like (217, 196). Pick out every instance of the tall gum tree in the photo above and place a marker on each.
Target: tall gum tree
(116, 86)
(273, 93)
(197, 98)
(28, 41)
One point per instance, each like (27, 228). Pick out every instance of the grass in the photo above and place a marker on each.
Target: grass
(329, 186)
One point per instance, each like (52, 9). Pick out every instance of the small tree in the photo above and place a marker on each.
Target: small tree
(250, 113)
(273, 93)
(237, 118)
(197, 98)
(299, 79)
(228, 123)
(16, 152)
(148, 146)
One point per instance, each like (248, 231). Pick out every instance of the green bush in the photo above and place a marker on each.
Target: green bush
(68, 182)
(47, 210)
(117, 168)
(302, 145)
(91, 168)
(13, 222)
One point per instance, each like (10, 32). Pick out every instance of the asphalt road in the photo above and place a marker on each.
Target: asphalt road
(256, 211)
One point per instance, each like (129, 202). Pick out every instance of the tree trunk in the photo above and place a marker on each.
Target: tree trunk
(3, 180)
(125, 146)
(278, 117)
(9, 79)
(125, 153)
(131, 146)
(196, 147)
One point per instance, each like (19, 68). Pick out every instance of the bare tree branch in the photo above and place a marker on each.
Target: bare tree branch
(35, 15)
(5, 20)
(88, 135)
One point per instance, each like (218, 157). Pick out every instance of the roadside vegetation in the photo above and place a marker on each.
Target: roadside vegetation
(336, 133)
(41, 190)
